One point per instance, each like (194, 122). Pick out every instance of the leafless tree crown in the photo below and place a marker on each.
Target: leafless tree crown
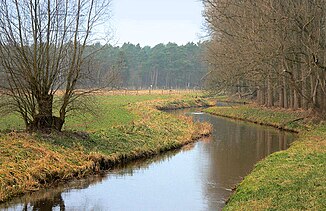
(42, 50)
(273, 51)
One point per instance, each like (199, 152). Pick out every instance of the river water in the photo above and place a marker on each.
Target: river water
(198, 177)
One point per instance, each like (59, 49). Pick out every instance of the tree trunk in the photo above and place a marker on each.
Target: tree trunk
(291, 98)
(313, 89)
(263, 96)
(156, 78)
(270, 101)
(321, 99)
(286, 102)
(281, 97)
(304, 103)
(45, 120)
(296, 100)
(259, 96)
(296, 95)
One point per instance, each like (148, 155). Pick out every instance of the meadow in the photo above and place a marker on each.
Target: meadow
(123, 128)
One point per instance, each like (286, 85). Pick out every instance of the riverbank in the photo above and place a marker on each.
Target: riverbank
(293, 121)
(293, 179)
(30, 162)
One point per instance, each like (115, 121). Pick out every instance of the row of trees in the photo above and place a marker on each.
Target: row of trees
(163, 66)
(273, 51)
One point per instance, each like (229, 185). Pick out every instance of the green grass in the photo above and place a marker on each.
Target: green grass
(106, 112)
(113, 110)
(11, 122)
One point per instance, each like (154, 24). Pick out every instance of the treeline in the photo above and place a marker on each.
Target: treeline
(273, 51)
(134, 67)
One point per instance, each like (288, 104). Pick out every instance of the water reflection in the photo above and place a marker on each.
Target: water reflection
(49, 199)
(47, 204)
(236, 148)
(199, 177)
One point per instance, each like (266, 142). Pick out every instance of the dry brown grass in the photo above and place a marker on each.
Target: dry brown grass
(27, 164)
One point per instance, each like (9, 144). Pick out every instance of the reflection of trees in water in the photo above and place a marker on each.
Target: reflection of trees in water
(52, 198)
(47, 204)
(237, 148)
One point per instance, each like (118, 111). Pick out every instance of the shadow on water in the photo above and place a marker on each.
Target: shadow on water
(198, 177)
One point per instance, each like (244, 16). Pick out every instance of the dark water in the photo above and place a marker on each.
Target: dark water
(198, 177)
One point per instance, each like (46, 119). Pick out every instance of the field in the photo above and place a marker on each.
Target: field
(125, 127)
(107, 108)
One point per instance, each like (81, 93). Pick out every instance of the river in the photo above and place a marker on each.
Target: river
(197, 177)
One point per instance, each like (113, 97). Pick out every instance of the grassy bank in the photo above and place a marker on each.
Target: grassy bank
(127, 128)
(293, 179)
(278, 118)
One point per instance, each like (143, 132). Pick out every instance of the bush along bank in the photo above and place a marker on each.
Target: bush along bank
(293, 179)
(30, 162)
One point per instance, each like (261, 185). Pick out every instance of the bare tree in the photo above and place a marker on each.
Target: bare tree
(42, 53)
(276, 47)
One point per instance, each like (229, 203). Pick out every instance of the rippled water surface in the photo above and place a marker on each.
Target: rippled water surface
(198, 177)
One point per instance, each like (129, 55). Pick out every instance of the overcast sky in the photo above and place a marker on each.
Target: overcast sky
(149, 22)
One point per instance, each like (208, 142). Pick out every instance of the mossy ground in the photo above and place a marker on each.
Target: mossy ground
(294, 179)
(126, 128)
